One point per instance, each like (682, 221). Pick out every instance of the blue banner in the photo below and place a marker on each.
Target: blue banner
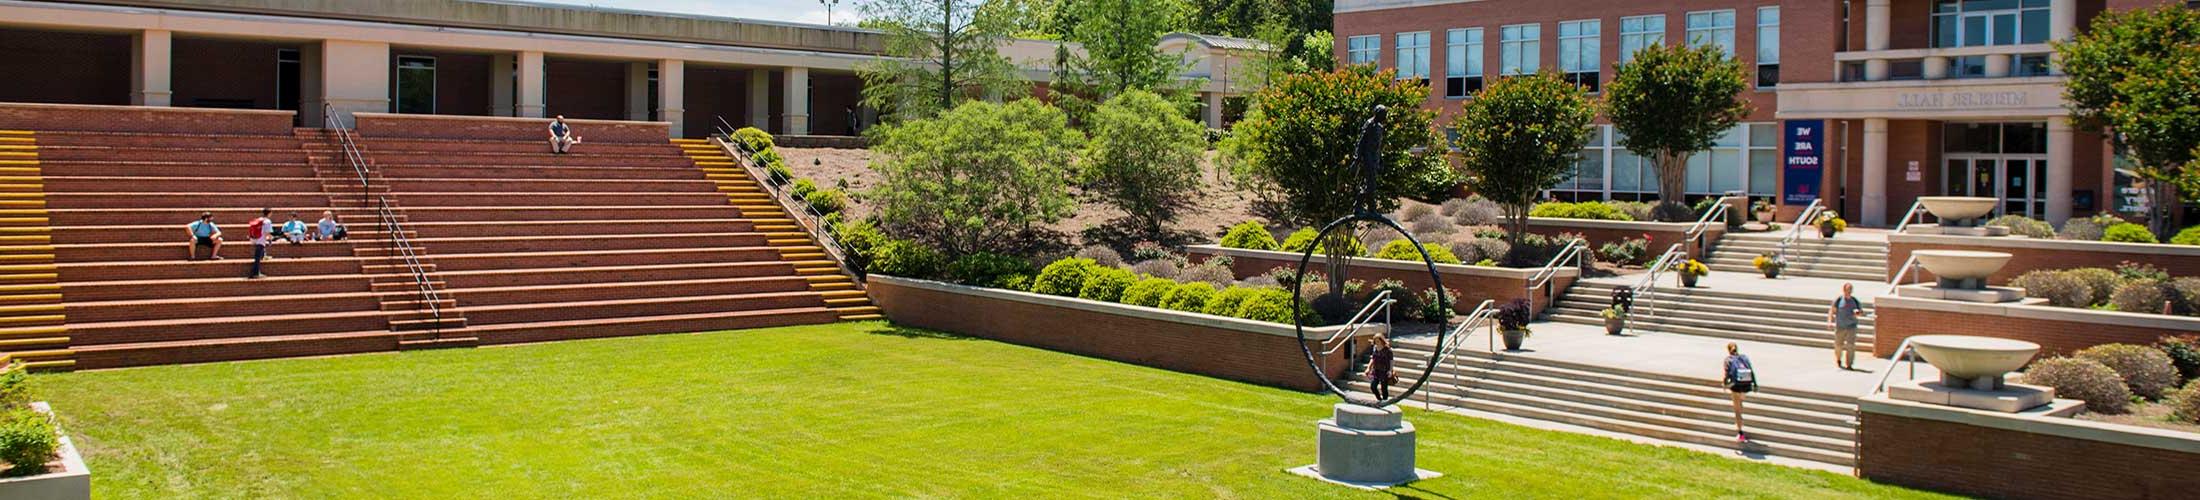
(1804, 167)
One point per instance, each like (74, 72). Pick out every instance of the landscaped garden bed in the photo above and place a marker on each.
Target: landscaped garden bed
(1471, 284)
(39, 461)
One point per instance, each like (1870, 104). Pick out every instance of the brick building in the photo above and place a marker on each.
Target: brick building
(1865, 104)
(483, 58)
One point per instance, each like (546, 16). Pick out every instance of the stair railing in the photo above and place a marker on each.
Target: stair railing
(1379, 304)
(397, 241)
(1917, 212)
(1719, 212)
(1801, 221)
(811, 220)
(1481, 315)
(1571, 253)
(1646, 291)
(1905, 354)
(1907, 266)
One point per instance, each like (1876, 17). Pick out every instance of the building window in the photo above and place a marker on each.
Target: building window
(1977, 23)
(1413, 55)
(1578, 54)
(1522, 45)
(1745, 158)
(1714, 27)
(1639, 32)
(1768, 46)
(1363, 49)
(415, 85)
(1462, 62)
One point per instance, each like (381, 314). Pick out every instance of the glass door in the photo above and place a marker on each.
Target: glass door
(415, 85)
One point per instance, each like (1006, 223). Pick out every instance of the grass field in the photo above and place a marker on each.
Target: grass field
(861, 409)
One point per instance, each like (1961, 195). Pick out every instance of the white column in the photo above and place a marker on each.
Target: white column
(672, 94)
(149, 68)
(2061, 160)
(1936, 67)
(797, 101)
(501, 69)
(760, 98)
(1997, 65)
(1878, 33)
(1874, 204)
(355, 77)
(637, 91)
(2062, 25)
(309, 85)
(1214, 110)
(531, 103)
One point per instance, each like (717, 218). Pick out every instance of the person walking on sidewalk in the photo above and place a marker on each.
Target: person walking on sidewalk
(205, 234)
(1379, 375)
(1841, 317)
(261, 231)
(1740, 380)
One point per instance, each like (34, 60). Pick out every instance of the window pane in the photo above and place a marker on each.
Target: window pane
(1699, 174)
(1627, 171)
(1768, 45)
(1944, 31)
(1764, 135)
(1764, 171)
(2035, 27)
(2005, 29)
(1974, 31)
(1726, 170)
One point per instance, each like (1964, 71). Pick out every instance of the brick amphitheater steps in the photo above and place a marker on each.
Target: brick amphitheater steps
(33, 320)
(741, 188)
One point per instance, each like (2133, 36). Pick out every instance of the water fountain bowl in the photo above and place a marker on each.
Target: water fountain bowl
(1972, 371)
(1959, 208)
(1961, 264)
(1971, 357)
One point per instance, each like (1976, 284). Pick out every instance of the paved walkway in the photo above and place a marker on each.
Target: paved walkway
(1778, 365)
(1756, 284)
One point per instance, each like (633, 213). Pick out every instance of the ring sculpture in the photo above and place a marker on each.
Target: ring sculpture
(1369, 154)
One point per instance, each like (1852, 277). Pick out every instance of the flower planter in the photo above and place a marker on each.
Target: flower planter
(1513, 338)
(1826, 231)
(66, 477)
(1765, 216)
(1612, 326)
(1687, 280)
(1770, 272)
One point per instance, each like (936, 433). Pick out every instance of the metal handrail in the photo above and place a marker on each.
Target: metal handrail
(1481, 315)
(1542, 277)
(811, 220)
(388, 219)
(1381, 302)
(1907, 265)
(1718, 211)
(1902, 354)
(1809, 212)
(1917, 211)
(1646, 291)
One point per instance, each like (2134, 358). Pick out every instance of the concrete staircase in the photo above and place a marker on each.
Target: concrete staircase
(1708, 313)
(1793, 424)
(810, 258)
(1808, 256)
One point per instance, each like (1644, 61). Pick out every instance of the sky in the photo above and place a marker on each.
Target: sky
(799, 11)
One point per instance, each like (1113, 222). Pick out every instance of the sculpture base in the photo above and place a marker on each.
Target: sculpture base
(1987, 295)
(1365, 447)
(1956, 230)
(2010, 398)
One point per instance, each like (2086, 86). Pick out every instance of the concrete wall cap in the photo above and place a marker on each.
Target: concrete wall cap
(2037, 421)
(150, 109)
(1449, 269)
(2046, 244)
(1141, 312)
(1644, 226)
(469, 118)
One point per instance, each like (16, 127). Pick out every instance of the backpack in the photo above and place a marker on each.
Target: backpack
(1743, 373)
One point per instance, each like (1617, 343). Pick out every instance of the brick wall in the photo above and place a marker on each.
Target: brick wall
(381, 125)
(2055, 337)
(1255, 357)
(91, 118)
(585, 89)
(1998, 462)
(1472, 288)
(71, 68)
(2178, 260)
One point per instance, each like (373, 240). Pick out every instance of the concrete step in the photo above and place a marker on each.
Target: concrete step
(1701, 315)
(1813, 273)
(1602, 291)
(1730, 309)
(1706, 403)
(1658, 326)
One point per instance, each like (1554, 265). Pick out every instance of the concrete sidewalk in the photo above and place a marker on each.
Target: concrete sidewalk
(1778, 365)
(1756, 284)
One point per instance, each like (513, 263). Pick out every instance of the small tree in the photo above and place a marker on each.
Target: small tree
(1518, 137)
(939, 53)
(1120, 39)
(1143, 157)
(1672, 102)
(2133, 75)
(1296, 143)
(974, 177)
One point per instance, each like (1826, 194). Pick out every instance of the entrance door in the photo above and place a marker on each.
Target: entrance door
(286, 83)
(2013, 179)
(415, 85)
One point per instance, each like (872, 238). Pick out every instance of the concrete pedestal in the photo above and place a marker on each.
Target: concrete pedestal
(1956, 230)
(1365, 447)
(2004, 397)
(1986, 295)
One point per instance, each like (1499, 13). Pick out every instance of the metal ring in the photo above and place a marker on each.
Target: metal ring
(1298, 302)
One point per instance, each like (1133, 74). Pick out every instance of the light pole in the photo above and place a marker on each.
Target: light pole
(828, 9)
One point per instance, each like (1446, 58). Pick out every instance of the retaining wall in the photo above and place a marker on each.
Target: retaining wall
(153, 119)
(498, 128)
(2023, 455)
(2027, 254)
(1473, 283)
(2058, 330)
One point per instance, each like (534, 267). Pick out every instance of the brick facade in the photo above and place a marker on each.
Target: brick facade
(392, 126)
(73, 68)
(2055, 337)
(1996, 462)
(92, 118)
(2178, 260)
(1661, 235)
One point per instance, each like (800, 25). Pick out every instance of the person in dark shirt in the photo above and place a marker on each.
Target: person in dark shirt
(1740, 380)
(561, 136)
(1378, 368)
(1842, 318)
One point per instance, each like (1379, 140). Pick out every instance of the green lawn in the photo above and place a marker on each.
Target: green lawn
(858, 409)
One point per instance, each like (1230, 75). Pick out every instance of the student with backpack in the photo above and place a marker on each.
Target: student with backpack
(260, 230)
(1741, 379)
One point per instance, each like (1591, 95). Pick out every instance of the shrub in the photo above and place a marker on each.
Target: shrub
(1594, 210)
(1299, 240)
(1102, 255)
(1492, 248)
(1017, 282)
(1143, 157)
(1064, 277)
(1427, 308)
(15, 388)
(1430, 226)
(909, 259)
(861, 241)
(1188, 297)
(1225, 302)
(1398, 292)
(2134, 271)
(1626, 251)
(2100, 283)
(1107, 284)
(27, 441)
(827, 201)
(2148, 297)
(1272, 305)
(1465, 249)
(1515, 314)
(753, 139)
(2184, 405)
(2145, 370)
(1287, 275)
(1403, 250)
(974, 177)
(2060, 288)
(2186, 295)
(2080, 230)
(2082, 379)
(1249, 235)
(1414, 212)
(1260, 282)
(1209, 273)
(1159, 268)
(1478, 211)
(987, 269)
(1635, 210)
(1148, 292)
(1452, 206)
(2184, 352)
(776, 172)
(1147, 250)
(2187, 236)
(802, 188)
(2125, 232)
(2024, 226)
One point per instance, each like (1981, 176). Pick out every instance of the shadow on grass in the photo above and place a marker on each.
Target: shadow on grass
(1411, 491)
(915, 333)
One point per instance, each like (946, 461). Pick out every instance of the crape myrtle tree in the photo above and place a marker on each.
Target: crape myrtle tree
(1295, 145)
(1518, 137)
(2136, 76)
(1143, 158)
(1672, 102)
(975, 177)
(939, 53)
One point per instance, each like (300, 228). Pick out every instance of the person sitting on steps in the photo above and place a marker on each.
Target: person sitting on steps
(328, 229)
(562, 138)
(205, 234)
(294, 230)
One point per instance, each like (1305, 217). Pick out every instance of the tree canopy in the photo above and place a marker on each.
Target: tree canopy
(976, 176)
(939, 54)
(2135, 75)
(1143, 158)
(1120, 39)
(1521, 135)
(1672, 102)
(1295, 146)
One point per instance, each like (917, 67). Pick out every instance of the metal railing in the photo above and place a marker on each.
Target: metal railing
(1646, 291)
(397, 242)
(811, 220)
(1380, 303)
(1801, 221)
(1917, 212)
(1907, 266)
(1718, 211)
(1902, 354)
(1481, 315)
(1542, 278)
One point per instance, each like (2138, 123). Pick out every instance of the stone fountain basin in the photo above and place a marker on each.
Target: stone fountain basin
(1961, 264)
(1969, 356)
(1959, 207)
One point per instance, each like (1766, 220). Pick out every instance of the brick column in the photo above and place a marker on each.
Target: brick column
(797, 101)
(1214, 110)
(149, 68)
(355, 77)
(531, 103)
(672, 94)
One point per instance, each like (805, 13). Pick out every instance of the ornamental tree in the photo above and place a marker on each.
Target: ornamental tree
(974, 177)
(1518, 137)
(1295, 145)
(1143, 158)
(939, 53)
(2133, 76)
(1672, 102)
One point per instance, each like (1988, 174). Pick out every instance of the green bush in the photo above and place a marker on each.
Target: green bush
(1403, 250)
(1148, 292)
(776, 172)
(1209, 273)
(2184, 405)
(2188, 236)
(826, 201)
(2060, 288)
(1064, 277)
(1272, 305)
(1625, 251)
(1106, 257)
(2125, 232)
(2080, 230)
(2024, 226)
(15, 388)
(2145, 370)
(1427, 308)
(908, 259)
(861, 241)
(1107, 284)
(1593, 210)
(2082, 379)
(1303, 238)
(27, 440)
(2149, 297)
(2183, 351)
(1249, 235)
(987, 269)
(2100, 283)
(1189, 297)
(802, 188)
(1225, 303)
(752, 138)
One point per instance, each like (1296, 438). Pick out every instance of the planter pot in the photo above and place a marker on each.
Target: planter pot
(1513, 339)
(1687, 280)
(1825, 230)
(70, 480)
(1771, 272)
(1765, 217)
(1612, 326)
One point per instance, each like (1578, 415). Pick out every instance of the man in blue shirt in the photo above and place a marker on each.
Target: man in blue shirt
(1842, 318)
(561, 136)
(294, 231)
(205, 234)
